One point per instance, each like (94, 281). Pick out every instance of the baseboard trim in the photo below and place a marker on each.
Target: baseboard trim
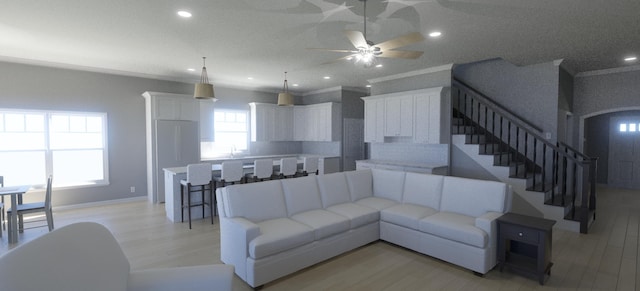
(101, 203)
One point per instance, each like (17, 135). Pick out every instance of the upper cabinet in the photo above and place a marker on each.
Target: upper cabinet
(398, 116)
(418, 116)
(167, 106)
(317, 122)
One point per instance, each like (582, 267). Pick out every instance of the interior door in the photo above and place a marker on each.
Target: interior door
(624, 152)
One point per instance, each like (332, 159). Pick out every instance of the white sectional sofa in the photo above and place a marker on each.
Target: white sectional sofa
(271, 229)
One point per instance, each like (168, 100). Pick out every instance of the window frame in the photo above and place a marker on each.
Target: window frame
(49, 152)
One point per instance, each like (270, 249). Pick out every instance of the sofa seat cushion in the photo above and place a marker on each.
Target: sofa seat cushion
(456, 227)
(376, 202)
(358, 215)
(324, 223)
(407, 215)
(279, 235)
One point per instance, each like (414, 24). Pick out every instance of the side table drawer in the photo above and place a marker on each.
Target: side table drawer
(519, 233)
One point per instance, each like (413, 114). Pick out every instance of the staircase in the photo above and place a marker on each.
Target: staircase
(551, 180)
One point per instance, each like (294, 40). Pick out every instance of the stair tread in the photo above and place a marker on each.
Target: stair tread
(540, 187)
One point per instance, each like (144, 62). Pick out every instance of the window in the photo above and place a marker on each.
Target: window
(629, 127)
(71, 146)
(230, 133)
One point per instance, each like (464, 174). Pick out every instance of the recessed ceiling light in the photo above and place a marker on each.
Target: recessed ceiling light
(249, 78)
(435, 34)
(368, 86)
(191, 69)
(295, 85)
(630, 59)
(185, 14)
(327, 77)
(379, 66)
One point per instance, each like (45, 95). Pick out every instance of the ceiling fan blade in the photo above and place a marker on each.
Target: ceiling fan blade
(340, 59)
(356, 38)
(400, 54)
(401, 41)
(332, 50)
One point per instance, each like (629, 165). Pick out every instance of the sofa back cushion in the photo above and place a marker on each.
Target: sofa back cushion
(388, 184)
(255, 201)
(301, 194)
(333, 189)
(423, 189)
(360, 184)
(472, 197)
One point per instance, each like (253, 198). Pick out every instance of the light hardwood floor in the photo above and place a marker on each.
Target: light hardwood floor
(605, 259)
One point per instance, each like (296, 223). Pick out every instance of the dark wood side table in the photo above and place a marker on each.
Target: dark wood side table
(524, 244)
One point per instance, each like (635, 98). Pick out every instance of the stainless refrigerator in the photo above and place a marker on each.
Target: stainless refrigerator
(177, 144)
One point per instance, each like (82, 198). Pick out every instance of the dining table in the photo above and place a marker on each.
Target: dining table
(14, 192)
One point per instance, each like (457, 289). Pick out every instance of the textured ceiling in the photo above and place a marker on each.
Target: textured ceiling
(263, 38)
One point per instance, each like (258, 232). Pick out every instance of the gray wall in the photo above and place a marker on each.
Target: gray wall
(602, 93)
(44, 88)
(529, 91)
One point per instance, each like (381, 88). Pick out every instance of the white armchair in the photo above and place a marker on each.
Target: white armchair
(86, 256)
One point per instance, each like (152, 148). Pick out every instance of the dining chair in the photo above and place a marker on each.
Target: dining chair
(35, 207)
(262, 169)
(288, 167)
(309, 165)
(198, 180)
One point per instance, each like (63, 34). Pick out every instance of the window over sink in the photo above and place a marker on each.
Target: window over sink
(230, 134)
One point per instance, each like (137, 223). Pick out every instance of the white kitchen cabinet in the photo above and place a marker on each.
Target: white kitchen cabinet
(373, 120)
(430, 117)
(283, 126)
(421, 114)
(172, 136)
(317, 122)
(169, 107)
(398, 116)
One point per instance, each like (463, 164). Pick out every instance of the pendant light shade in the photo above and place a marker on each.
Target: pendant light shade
(285, 98)
(204, 90)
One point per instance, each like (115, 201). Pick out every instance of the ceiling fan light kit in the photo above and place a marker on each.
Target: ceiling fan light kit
(367, 53)
(285, 98)
(204, 89)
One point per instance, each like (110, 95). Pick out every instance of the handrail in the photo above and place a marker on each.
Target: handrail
(583, 156)
(490, 103)
(497, 105)
(565, 175)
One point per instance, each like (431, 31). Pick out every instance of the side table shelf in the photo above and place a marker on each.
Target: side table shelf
(524, 243)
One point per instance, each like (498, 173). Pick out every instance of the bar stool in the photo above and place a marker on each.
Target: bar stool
(262, 170)
(309, 166)
(231, 173)
(198, 177)
(288, 167)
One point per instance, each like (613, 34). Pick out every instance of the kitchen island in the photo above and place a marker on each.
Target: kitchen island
(438, 169)
(172, 177)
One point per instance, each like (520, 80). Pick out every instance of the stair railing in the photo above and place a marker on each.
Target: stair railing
(566, 176)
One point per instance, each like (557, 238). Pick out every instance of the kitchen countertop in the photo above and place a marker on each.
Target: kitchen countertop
(405, 164)
(183, 169)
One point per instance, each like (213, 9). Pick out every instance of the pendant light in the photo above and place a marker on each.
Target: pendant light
(204, 90)
(285, 98)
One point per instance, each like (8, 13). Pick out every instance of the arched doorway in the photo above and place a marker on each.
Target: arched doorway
(618, 151)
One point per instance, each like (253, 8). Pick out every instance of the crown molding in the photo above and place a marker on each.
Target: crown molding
(609, 71)
(447, 67)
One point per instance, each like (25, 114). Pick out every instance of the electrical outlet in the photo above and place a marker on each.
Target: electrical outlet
(133, 189)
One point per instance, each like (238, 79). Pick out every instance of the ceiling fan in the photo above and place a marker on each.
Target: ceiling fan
(366, 52)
